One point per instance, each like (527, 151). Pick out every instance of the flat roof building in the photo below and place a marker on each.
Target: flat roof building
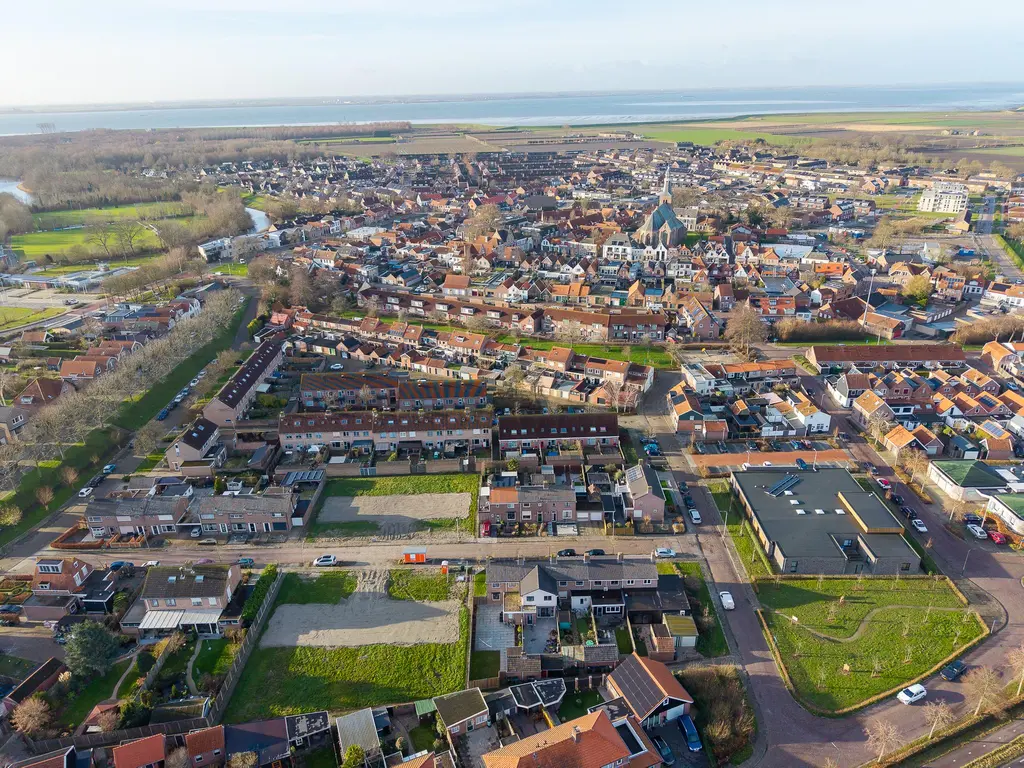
(823, 522)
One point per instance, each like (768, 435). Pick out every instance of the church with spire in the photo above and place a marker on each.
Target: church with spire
(662, 227)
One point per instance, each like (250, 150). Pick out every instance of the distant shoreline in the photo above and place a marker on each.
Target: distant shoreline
(441, 98)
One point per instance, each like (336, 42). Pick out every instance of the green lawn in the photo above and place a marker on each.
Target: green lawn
(655, 355)
(424, 587)
(401, 485)
(330, 587)
(709, 136)
(576, 704)
(37, 245)
(484, 664)
(480, 584)
(347, 528)
(91, 216)
(229, 268)
(136, 413)
(16, 667)
(177, 662)
(879, 622)
(422, 738)
(711, 641)
(283, 681)
(13, 317)
(624, 640)
(99, 689)
(324, 757)
(215, 657)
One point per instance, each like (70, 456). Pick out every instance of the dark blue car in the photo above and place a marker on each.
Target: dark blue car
(162, 415)
(952, 671)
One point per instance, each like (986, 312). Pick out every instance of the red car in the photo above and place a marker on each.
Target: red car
(996, 537)
(883, 483)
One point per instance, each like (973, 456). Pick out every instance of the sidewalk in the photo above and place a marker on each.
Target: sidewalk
(972, 750)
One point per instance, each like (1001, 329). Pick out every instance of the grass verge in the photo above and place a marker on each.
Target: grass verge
(422, 587)
(711, 642)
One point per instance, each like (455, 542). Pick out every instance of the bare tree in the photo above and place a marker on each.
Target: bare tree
(365, 396)
(102, 237)
(128, 233)
(484, 220)
(9, 514)
(44, 495)
(179, 758)
(571, 332)
(1016, 660)
(614, 389)
(243, 760)
(745, 328)
(31, 716)
(985, 687)
(938, 715)
(68, 475)
(883, 736)
(914, 462)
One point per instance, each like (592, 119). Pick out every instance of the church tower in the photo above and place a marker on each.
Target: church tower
(666, 191)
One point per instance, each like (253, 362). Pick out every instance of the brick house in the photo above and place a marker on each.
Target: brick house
(235, 397)
(535, 433)
(197, 451)
(462, 711)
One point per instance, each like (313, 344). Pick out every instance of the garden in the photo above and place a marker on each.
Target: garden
(723, 714)
(844, 641)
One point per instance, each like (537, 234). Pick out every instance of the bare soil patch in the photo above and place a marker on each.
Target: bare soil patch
(368, 617)
(397, 513)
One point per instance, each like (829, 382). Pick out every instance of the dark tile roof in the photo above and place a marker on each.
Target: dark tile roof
(268, 738)
(538, 578)
(39, 675)
(172, 581)
(575, 569)
(539, 426)
(308, 724)
(250, 374)
(197, 434)
(459, 706)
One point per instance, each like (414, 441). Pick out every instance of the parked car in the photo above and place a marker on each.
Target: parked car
(972, 519)
(203, 561)
(151, 564)
(689, 502)
(162, 415)
(194, 382)
(908, 513)
(874, 469)
(689, 731)
(919, 525)
(883, 483)
(996, 537)
(896, 498)
(664, 552)
(695, 516)
(664, 750)
(801, 463)
(208, 542)
(325, 561)
(595, 552)
(567, 553)
(337, 367)
(952, 671)
(195, 533)
(912, 693)
(977, 531)
(85, 492)
(245, 562)
(117, 565)
(727, 602)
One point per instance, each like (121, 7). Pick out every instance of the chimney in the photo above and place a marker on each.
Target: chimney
(586, 557)
(619, 557)
(576, 734)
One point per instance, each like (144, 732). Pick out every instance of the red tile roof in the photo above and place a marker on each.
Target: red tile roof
(139, 753)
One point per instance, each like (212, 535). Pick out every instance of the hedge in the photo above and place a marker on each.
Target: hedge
(259, 593)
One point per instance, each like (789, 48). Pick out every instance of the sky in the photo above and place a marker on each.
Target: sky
(117, 51)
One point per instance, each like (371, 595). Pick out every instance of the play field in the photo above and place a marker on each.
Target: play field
(37, 245)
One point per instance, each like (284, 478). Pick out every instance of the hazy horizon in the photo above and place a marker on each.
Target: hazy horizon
(113, 52)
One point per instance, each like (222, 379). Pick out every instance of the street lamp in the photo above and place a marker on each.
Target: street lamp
(965, 562)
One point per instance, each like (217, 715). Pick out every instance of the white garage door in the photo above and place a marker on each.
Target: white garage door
(676, 712)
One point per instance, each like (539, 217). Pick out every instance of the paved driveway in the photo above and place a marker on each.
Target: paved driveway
(491, 634)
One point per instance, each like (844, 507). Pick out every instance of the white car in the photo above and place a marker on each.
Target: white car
(767, 464)
(194, 382)
(664, 552)
(727, 602)
(919, 525)
(325, 561)
(913, 693)
(85, 492)
(695, 516)
(151, 564)
(976, 530)
(337, 367)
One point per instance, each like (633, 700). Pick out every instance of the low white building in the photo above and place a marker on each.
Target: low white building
(1008, 507)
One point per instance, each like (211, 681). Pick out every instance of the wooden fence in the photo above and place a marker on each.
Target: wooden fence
(220, 702)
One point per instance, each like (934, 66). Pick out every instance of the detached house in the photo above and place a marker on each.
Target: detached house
(198, 450)
(650, 690)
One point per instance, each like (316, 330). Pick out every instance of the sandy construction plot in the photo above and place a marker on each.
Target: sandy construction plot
(402, 511)
(368, 617)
